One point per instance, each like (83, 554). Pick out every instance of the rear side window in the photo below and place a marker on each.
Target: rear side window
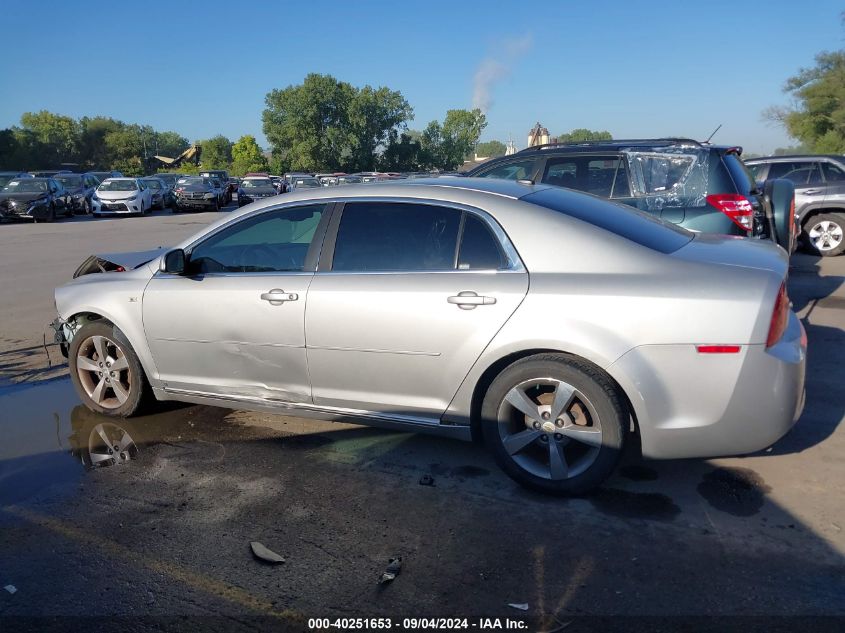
(631, 224)
(479, 248)
(375, 236)
(518, 170)
(603, 176)
(832, 173)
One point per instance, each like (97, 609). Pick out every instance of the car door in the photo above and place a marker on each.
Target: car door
(233, 325)
(834, 178)
(397, 314)
(806, 175)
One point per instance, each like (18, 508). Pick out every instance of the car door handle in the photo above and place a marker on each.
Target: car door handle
(277, 296)
(811, 192)
(468, 300)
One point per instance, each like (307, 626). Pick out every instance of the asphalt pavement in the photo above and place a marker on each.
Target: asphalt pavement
(163, 532)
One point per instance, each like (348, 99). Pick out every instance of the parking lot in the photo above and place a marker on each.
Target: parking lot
(168, 532)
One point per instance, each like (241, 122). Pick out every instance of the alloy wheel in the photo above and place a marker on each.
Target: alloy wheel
(109, 444)
(549, 428)
(825, 235)
(103, 371)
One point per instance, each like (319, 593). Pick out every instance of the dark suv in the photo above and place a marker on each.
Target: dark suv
(819, 196)
(702, 187)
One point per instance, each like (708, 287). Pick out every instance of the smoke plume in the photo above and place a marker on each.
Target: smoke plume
(496, 67)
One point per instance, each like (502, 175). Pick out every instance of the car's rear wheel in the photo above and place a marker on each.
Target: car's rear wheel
(105, 370)
(555, 424)
(824, 234)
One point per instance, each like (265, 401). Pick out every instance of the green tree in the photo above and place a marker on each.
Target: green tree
(57, 136)
(402, 153)
(307, 125)
(491, 149)
(375, 119)
(325, 124)
(446, 146)
(170, 144)
(216, 153)
(247, 156)
(818, 118)
(583, 135)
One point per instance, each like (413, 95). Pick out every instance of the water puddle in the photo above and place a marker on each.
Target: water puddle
(49, 440)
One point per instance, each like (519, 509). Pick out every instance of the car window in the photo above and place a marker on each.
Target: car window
(277, 241)
(781, 169)
(561, 172)
(660, 172)
(631, 224)
(832, 173)
(375, 236)
(479, 248)
(756, 170)
(518, 170)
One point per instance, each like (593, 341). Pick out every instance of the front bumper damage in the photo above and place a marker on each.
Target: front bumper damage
(64, 333)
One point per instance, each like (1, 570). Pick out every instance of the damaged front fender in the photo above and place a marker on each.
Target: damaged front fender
(116, 262)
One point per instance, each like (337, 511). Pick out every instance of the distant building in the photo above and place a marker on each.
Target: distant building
(538, 136)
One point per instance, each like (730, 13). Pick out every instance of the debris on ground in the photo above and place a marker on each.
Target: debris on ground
(522, 606)
(265, 554)
(426, 480)
(393, 569)
(11, 588)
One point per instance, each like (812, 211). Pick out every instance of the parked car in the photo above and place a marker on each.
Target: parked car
(196, 192)
(819, 196)
(105, 175)
(81, 188)
(701, 187)
(162, 196)
(252, 189)
(348, 180)
(564, 323)
(7, 176)
(222, 177)
(48, 173)
(170, 179)
(37, 199)
(304, 182)
(122, 196)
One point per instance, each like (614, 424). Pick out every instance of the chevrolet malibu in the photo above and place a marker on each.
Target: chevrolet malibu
(555, 325)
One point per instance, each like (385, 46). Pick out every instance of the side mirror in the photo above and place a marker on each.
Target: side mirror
(174, 262)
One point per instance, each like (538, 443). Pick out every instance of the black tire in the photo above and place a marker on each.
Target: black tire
(835, 226)
(602, 407)
(134, 377)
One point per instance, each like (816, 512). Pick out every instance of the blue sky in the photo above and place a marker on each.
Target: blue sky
(637, 69)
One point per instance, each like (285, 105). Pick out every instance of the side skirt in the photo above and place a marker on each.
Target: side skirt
(396, 422)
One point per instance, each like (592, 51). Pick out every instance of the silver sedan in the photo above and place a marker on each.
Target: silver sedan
(555, 325)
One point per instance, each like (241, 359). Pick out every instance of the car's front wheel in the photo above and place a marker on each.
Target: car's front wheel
(555, 424)
(105, 370)
(824, 234)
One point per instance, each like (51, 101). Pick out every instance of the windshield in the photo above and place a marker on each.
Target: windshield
(307, 182)
(118, 185)
(254, 183)
(170, 180)
(193, 181)
(4, 180)
(69, 182)
(26, 186)
(152, 183)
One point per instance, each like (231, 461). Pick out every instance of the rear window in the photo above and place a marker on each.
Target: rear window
(742, 177)
(636, 226)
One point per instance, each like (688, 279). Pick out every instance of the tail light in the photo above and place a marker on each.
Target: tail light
(737, 207)
(780, 316)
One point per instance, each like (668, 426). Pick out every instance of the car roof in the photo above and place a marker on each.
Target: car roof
(780, 157)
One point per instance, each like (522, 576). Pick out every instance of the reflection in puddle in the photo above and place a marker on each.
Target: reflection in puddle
(48, 439)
